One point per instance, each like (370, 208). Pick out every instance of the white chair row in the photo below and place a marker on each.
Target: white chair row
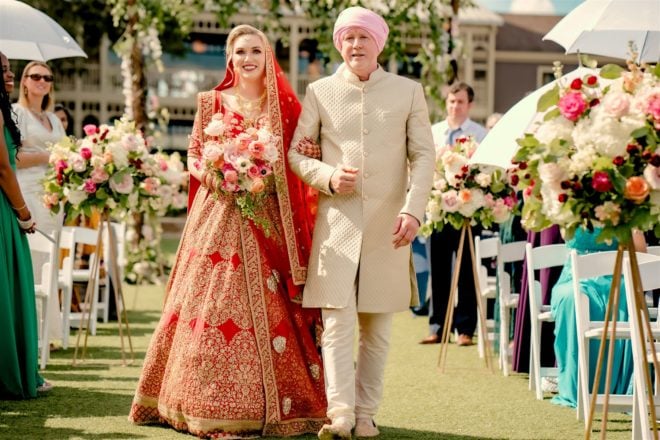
(54, 279)
(499, 287)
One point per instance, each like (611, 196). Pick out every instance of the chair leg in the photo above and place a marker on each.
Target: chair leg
(535, 355)
(480, 340)
(66, 315)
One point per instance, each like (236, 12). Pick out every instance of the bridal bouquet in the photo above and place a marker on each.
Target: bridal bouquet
(594, 159)
(102, 170)
(241, 157)
(463, 191)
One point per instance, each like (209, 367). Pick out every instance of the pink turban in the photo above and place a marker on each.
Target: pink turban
(363, 18)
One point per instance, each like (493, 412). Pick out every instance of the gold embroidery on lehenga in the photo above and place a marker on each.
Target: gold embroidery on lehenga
(279, 344)
(286, 406)
(273, 281)
(315, 371)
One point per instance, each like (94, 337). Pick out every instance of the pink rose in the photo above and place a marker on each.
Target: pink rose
(231, 176)
(652, 106)
(60, 166)
(121, 183)
(572, 105)
(89, 186)
(99, 175)
(163, 165)
(601, 182)
(253, 172)
(90, 129)
(86, 153)
(229, 187)
(257, 149)
(151, 185)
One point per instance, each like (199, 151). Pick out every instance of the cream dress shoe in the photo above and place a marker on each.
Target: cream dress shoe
(340, 429)
(366, 427)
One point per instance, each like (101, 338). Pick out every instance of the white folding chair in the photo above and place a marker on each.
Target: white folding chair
(485, 248)
(508, 300)
(69, 238)
(46, 290)
(654, 250)
(541, 257)
(584, 267)
(650, 277)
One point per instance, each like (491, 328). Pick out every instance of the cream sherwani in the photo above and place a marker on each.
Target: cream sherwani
(381, 127)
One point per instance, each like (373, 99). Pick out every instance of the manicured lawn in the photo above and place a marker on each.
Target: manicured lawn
(91, 401)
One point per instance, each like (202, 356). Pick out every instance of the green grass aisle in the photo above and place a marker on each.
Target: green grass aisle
(91, 401)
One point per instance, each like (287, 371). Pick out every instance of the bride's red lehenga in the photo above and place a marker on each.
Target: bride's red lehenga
(235, 354)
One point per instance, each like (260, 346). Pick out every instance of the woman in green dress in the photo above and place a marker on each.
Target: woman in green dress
(19, 377)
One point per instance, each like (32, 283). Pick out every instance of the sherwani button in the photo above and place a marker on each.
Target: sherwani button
(366, 175)
(365, 131)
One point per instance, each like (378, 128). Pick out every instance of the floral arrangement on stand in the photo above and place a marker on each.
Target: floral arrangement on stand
(239, 157)
(100, 171)
(111, 171)
(464, 192)
(163, 192)
(594, 159)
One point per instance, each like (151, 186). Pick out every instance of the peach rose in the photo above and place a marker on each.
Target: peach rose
(637, 189)
(257, 186)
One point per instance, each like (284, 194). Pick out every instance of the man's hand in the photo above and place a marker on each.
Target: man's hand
(344, 179)
(405, 230)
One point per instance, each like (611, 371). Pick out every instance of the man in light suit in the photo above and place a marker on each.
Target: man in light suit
(444, 243)
(374, 173)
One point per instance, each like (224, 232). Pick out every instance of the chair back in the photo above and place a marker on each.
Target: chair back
(46, 290)
(485, 248)
(541, 257)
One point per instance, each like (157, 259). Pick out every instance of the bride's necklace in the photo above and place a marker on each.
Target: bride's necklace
(250, 109)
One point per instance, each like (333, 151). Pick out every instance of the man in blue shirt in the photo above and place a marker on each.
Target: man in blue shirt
(444, 244)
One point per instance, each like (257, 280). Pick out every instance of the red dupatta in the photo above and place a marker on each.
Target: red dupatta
(296, 201)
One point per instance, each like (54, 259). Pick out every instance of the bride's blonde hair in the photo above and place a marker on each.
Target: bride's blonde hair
(239, 31)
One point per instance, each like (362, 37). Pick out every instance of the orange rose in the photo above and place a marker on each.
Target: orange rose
(637, 189)
(257, 186)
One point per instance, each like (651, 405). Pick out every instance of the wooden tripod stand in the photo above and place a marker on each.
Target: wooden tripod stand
(644, 330)
(453, 291)
(122, 318)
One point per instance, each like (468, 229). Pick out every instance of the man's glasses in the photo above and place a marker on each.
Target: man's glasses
(39, 77)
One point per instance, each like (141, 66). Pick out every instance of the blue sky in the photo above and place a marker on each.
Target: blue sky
(561, 7)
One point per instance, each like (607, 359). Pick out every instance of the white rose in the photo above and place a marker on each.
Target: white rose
(215, 128)
(483, 180)
(559, 127)
(119, 155)
(552, 174)
(616, 104)
(77, 163)
(652, 176)
(76, 197)
(449, 201)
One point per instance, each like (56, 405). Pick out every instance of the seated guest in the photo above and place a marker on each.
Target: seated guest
(566, 338)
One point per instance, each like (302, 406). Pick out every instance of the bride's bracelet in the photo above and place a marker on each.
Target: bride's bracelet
(18, 209)
(25, 224)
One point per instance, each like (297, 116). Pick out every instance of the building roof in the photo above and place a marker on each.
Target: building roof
(479, 16)
(525, 33)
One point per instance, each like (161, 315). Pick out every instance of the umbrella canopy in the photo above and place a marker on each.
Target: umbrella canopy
(28, 34)
(499, 146)
(605, 27)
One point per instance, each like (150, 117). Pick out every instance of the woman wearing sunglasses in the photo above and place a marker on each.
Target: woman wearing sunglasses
(39, 128)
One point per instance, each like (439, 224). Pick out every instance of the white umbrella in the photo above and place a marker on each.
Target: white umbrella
(499, 146)
(605, 27)
(28, 34)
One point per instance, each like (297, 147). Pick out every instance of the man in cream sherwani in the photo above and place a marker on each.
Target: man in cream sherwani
(374, 172)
